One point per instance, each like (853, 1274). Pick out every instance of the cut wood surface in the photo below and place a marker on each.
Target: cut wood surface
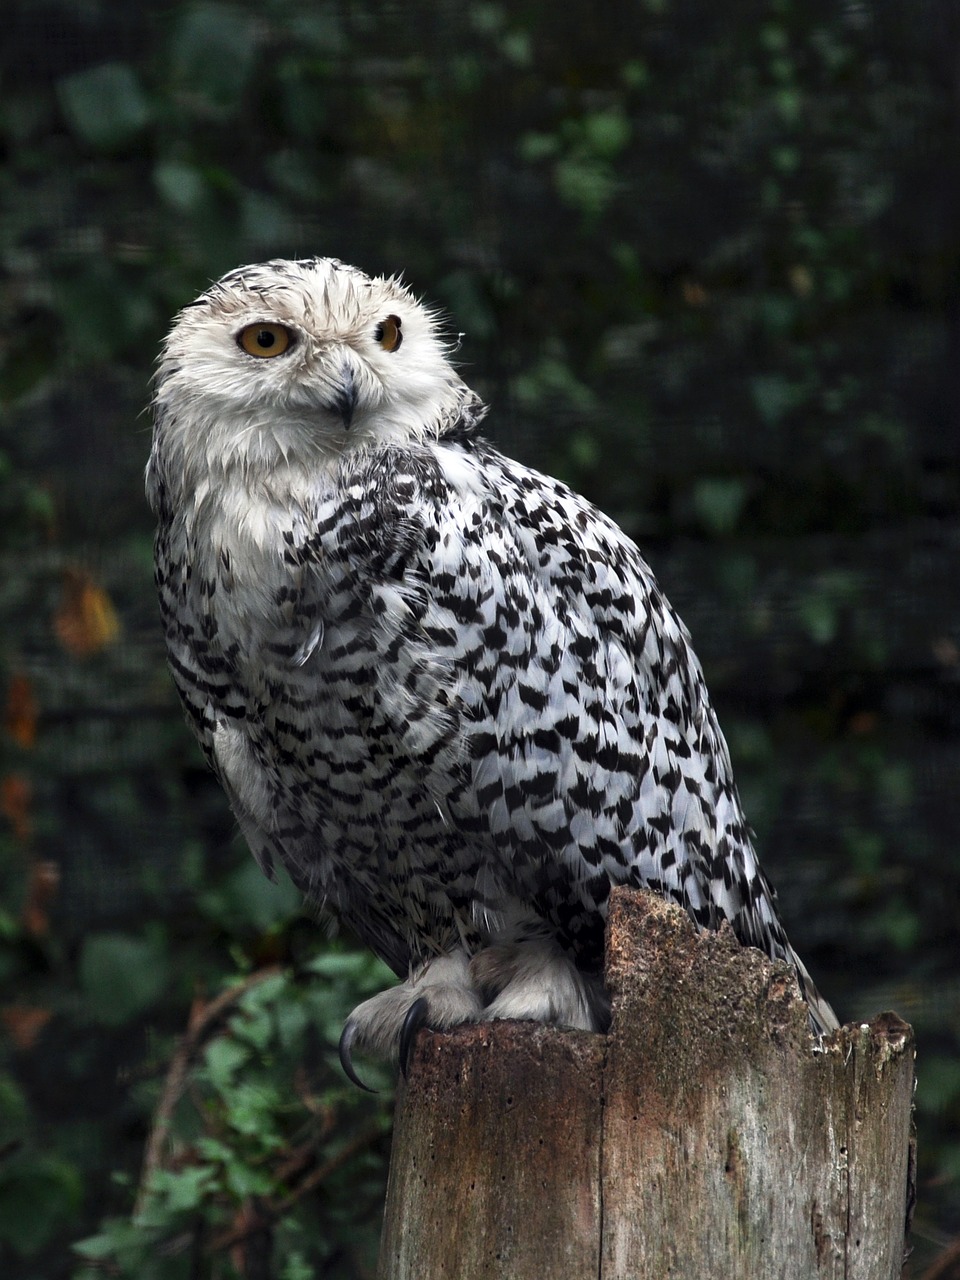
(706, 1135)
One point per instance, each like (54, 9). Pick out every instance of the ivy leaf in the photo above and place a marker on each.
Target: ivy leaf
(37, 1196)
(121, 976)
(213, 55)
(719, 502)
(104, 106)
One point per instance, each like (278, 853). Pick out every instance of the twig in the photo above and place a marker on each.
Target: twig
(176, 1079)
(271, 1212)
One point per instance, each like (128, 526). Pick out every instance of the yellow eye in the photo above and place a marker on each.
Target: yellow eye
(388, 334)
(264, 339)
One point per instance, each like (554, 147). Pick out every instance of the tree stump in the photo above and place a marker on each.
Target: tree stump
(707, 1135)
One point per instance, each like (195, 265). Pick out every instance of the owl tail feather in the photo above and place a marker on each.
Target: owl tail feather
(822, 1018)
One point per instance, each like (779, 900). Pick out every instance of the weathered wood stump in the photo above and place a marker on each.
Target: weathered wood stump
(706, 1135)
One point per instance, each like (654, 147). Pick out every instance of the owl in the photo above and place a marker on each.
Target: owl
(441, 689)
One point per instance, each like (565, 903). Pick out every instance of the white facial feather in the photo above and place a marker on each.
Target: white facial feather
(220, 408)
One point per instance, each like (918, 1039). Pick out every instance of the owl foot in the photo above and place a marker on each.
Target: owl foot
(534, 981)
(440, 994)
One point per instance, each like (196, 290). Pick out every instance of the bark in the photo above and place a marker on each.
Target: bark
(706, 1135)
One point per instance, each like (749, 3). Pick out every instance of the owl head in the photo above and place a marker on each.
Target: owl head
(300, 360)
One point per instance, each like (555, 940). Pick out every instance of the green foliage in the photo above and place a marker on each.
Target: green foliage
(212, 55)
(39, 1196)
(264, 1130)
(121, 976)
(719, 501)
(105, 105)
(703, 266)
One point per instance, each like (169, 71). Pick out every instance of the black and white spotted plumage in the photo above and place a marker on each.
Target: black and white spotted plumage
(441, 688)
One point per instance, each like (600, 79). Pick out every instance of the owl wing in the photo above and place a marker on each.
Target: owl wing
(595, 756)
(592, 755)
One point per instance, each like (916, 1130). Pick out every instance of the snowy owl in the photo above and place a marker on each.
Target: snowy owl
(439, 687)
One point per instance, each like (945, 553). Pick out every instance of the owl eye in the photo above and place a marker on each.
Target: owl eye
(388, 334)
(264, 339)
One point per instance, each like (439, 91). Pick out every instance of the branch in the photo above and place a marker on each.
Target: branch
(188, 1047)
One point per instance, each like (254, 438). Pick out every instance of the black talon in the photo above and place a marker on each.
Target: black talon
(416, 1018)
(347, 1037)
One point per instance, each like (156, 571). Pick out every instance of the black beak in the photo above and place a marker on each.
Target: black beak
(345, 400)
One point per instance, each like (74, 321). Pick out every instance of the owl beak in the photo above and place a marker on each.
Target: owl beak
(345, 398)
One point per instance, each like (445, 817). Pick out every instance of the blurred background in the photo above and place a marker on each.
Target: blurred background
(706, 263)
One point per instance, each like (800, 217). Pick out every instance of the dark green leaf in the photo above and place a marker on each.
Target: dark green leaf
(121, 975)
(105, 105)
(213, 55)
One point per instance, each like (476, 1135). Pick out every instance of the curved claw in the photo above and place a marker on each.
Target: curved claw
(348, 1037)
(416, 1018)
